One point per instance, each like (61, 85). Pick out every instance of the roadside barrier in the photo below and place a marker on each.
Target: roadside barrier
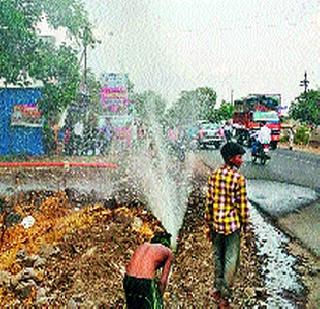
(60, 164)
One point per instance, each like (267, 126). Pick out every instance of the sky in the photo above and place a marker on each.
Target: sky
(239, 46)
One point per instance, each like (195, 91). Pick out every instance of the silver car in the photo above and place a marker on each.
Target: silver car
(210, 134)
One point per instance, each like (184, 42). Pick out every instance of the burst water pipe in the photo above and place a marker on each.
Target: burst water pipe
(60, 164)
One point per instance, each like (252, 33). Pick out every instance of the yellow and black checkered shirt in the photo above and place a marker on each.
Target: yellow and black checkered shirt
(226, 203)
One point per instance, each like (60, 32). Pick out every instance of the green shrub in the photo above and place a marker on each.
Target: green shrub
(301, 136)
(284, 138)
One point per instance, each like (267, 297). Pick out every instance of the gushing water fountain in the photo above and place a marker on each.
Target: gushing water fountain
(163, 180)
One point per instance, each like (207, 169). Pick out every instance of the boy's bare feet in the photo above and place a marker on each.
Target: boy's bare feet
(224, 304)
(215, 295)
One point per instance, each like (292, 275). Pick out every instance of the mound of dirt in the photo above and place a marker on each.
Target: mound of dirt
(77, 257)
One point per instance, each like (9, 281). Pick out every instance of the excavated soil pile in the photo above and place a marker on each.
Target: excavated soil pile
(71, 255)
(76, 256)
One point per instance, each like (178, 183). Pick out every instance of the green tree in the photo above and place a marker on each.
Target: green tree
(185, 109)
(26, 56)
(194, 105)
(20, 42)
(226, 110)
(306, 108)
(149, 106)
(207, 100)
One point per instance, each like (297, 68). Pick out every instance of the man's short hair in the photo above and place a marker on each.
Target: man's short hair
(162, 238)
(230, 150)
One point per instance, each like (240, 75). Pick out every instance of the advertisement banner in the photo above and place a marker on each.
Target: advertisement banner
(27, 115)
(115, 80)
(114, 93)
(114, 98)
(119, 127)
(115, 121)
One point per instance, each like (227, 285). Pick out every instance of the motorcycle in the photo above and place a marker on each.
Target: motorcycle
(182, 153)
(261, 152)
(179, 149)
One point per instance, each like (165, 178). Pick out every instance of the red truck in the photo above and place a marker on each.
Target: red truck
(251, 111)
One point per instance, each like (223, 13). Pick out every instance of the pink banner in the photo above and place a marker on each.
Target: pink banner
(117, 92)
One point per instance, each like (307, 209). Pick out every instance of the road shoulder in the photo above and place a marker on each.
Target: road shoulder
(304, 224)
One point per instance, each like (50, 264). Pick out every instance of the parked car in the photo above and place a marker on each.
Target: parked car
(210, 134)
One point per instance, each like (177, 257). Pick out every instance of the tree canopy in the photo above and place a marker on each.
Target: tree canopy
(306, 107)
(194, 105)
(149, 106)
(225, 112)
(22, 47)
(26, 56)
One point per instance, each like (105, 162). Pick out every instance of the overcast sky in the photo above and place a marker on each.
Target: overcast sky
(248, 46)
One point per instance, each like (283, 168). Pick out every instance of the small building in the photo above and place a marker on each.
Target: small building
(20, 122)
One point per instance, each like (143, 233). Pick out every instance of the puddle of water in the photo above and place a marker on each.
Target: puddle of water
(278, 266)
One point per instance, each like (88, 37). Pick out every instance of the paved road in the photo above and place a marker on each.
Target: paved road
(287, 166)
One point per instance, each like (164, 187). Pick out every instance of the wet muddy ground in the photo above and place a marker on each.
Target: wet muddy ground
(84, 265)
(192, 273)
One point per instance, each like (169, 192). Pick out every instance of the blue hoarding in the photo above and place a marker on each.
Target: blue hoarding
(25, 138)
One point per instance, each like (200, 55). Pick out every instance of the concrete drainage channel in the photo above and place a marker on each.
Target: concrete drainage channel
(282, 281)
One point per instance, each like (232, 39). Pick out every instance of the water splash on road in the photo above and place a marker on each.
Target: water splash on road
(277, 264)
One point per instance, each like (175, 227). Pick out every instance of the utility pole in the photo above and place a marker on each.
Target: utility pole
(85, 67)
(232, 97)
(304, 83)
(85, 42)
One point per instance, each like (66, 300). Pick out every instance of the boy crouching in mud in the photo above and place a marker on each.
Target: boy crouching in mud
(142, 289)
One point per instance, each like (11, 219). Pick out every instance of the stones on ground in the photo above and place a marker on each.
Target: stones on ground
(47, 251)
(40, 262)
(72, 304)
(110, 203)
(24, 288)
(5, 279)
(249, 292)
(41, 298)
(93, 260)
(12, 218)
(30, 260)
(314, 271)
(137, 223)
(21, 255)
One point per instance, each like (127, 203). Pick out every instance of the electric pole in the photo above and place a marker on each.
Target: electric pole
(85, 67)
(232, 97)
(304, 83)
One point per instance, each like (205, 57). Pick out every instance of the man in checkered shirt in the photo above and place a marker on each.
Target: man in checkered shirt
(226, 214)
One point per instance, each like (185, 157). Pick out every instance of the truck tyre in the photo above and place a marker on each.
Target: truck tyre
(273, 145)
(263, 158)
